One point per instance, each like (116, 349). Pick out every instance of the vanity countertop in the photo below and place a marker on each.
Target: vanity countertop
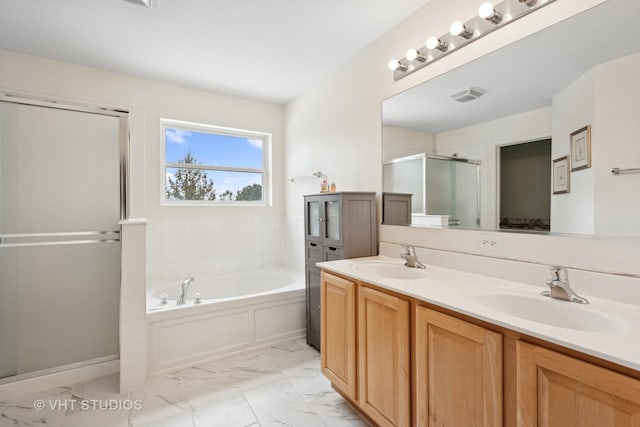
(469, 293)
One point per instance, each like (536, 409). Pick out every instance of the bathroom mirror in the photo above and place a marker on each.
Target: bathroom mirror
(569, 90)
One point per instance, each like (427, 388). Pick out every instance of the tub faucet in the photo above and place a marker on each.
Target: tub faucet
(184, 289)
(410, 257)
(559, 287)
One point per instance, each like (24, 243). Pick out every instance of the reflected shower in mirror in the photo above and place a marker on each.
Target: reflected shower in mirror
(445, 190)
(514, 111)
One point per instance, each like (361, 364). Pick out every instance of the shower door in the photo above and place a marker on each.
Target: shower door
(60, 203)
(453, 188)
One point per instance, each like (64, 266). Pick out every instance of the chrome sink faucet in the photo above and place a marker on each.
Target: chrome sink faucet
(410, 257)
(184, 288)
(559, 287)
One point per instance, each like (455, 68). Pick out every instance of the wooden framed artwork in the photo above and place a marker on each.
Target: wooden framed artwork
(581, 149)
(561, 175)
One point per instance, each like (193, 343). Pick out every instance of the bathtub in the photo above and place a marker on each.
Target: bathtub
(236, 313)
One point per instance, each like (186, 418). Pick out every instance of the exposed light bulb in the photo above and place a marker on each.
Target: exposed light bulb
(459, 29)
(436, 43)
(486, 11)
(413, 55)
(394, 65)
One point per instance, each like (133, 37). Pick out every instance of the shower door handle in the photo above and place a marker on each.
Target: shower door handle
(78, 237)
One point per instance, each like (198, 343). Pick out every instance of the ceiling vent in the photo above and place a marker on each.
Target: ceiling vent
(467, 95)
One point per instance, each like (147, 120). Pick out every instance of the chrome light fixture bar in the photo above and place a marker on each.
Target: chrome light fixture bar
(151, 4)
(489, 18)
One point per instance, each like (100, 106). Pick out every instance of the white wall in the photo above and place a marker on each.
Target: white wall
(336, 127)
(481, 142)
(399, 142)
(182, 240)
(572, 110)
(615, 143)
(599, 202)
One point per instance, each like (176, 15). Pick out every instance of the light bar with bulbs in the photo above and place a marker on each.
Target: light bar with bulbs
(490, 17)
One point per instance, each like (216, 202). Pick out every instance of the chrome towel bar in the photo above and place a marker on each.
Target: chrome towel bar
(619, 171)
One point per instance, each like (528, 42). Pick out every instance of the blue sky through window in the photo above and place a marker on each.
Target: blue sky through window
(213, 149)
(217, 150)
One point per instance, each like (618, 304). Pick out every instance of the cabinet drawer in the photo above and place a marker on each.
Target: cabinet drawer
(332, 253)
(313, 253)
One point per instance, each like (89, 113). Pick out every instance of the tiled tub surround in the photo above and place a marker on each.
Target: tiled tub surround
(457, 290)
(278, 385)
(223, 324)
(205, 247)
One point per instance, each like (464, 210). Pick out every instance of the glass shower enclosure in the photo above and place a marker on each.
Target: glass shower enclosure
(62, 182)
(440, 186)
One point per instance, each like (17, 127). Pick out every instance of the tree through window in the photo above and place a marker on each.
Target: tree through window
(210, 164)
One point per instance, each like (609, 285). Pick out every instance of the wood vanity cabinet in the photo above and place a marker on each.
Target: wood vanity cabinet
(338, 333)
(557, 390)
(383, 357)
(337, 225)
(403, 362)
(457, 372)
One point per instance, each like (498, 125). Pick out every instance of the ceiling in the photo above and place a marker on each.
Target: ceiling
(265, 50)
(522, 76)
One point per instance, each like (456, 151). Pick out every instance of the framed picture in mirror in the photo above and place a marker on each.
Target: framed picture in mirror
(561, 175)
(581, 149)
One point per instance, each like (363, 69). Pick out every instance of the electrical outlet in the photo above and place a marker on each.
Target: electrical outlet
(486, 241)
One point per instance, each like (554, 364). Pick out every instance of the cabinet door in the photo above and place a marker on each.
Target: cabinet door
(332, 210)
(313, 306)
(458, 372)
(383, 357)
(558, 390)
(313, 218)
(338, 332)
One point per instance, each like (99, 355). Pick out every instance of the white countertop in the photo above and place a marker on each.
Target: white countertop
(458, 291)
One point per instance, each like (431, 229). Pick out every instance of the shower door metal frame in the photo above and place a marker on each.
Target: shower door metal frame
(424, 157)
(77, 237)
(101, 236)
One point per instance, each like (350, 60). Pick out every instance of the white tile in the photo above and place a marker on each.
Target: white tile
(278, 385)
(170, 234)
(186, 255)
(44, 409)
(223, 409)
(162, 273)
(186, 269)
(187, 233)
(97, 418)
(159, 410)
(277, 403)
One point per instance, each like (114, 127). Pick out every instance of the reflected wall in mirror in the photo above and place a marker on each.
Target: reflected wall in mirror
(534, 94)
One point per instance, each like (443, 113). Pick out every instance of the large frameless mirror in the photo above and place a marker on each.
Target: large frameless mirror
(569, 90)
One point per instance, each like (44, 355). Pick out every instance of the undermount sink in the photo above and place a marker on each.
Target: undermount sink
(389, 270)
(552, 312)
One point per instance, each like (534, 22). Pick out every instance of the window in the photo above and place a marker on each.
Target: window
(210, 165)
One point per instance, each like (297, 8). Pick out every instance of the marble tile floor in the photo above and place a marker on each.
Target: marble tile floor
(276, 386)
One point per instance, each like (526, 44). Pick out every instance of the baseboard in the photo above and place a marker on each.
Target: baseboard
(58, 379)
